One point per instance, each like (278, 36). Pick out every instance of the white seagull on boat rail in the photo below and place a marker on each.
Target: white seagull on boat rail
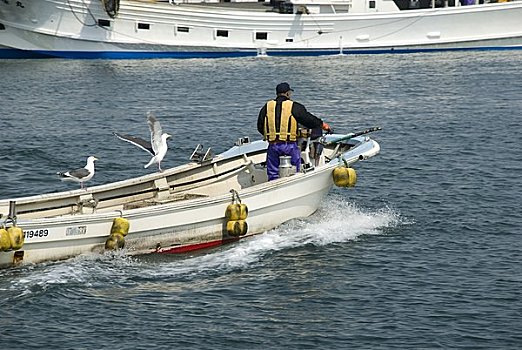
(80, 175)
(157, 146)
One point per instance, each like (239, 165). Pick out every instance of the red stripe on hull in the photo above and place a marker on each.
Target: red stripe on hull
(192, 247)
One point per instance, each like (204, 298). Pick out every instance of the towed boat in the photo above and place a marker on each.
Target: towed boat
(207, 202)
(119, 29)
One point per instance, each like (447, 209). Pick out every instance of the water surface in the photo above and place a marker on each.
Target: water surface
(424, 253)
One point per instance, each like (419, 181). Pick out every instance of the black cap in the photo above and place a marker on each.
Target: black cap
(283, 87)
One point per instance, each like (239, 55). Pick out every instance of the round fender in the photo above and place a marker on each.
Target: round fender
(5, 241)
(237, 228)
(233, 212)
(344, 177)
(16, 235)
(115, 241)
(121, 226)
(243, 212)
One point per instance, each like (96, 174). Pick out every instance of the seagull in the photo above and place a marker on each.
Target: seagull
(80, 175)
(157, 146)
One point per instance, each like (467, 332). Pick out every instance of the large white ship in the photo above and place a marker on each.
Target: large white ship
(155, 29)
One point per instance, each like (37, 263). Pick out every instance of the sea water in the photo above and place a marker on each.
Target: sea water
(424, 253)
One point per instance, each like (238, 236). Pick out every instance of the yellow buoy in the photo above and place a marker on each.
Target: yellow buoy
(237, 228)
(243, 212)
(120, 226)
(16, 235)
(115, 241)
(233, 228)
(344, 177)
(236, 212)
(233, 212)
(5, 241)
(243, 226)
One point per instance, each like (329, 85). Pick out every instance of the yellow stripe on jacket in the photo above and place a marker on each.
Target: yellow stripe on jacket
(287, 128)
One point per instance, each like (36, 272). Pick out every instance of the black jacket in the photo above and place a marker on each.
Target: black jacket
(299, 112)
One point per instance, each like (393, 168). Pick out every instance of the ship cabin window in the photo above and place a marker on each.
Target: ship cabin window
(144, 26)
(372, 4)
(104, 23)
(289, 40)
(261, 36)
(222, 33)
(183, 29)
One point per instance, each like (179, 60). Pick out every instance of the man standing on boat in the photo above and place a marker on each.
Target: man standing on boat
(278, 123)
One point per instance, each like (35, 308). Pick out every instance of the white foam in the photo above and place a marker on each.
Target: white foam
(336, 221)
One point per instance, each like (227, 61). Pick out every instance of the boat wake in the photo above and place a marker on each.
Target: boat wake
(337, 221)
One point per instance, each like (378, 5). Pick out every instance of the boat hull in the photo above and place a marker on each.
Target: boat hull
(171, 228)
(72, 29)
(10, 53)
(178, 210)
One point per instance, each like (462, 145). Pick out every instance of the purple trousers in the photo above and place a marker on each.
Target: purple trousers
(281, 149)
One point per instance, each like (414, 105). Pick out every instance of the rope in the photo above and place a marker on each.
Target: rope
(320, 32)
(79, 19)
(235, 196)
(96, 24)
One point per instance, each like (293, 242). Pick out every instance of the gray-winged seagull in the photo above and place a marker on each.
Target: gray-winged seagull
(157, 146)
(80, 175)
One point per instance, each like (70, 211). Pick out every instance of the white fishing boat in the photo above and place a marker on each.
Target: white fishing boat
(227, 28)
(207, 202)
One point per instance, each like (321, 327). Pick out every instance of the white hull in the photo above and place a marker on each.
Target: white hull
(82, 29)
(179, 210)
